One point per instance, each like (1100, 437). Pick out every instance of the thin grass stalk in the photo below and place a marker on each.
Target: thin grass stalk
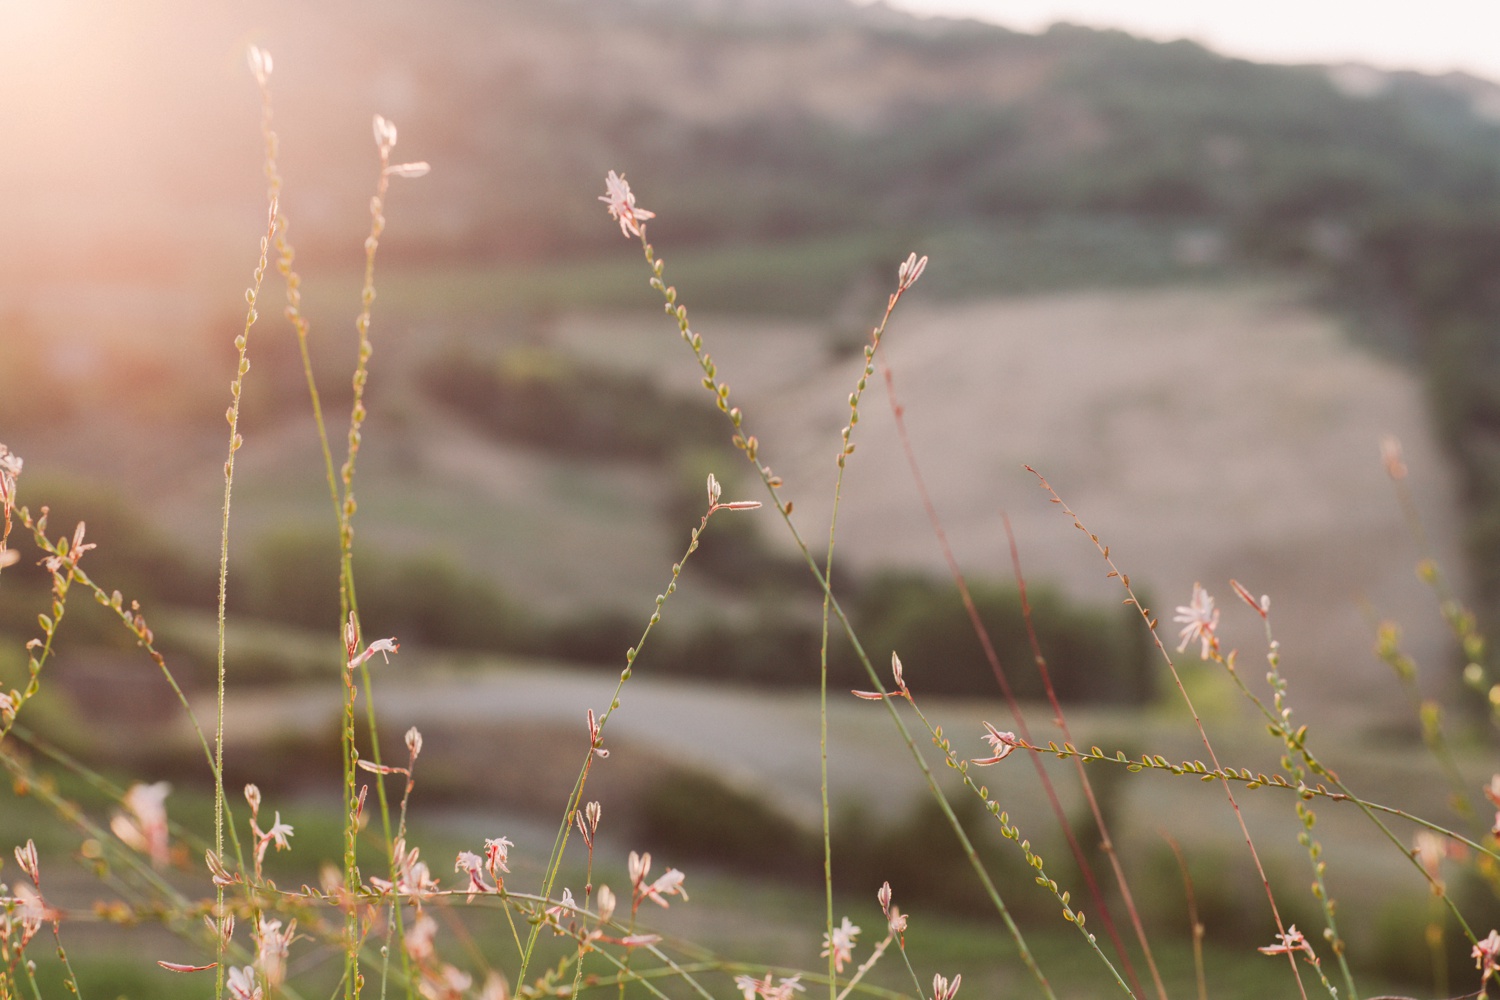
(846, 449)
(241, 344)
(1192, 908)
(1145, 614)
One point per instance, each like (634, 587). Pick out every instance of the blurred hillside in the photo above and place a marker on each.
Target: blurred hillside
(793, 151)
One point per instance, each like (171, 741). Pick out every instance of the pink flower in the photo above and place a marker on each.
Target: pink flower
(621, 202)
(750, 987)
(841, 943)
(271, 945)
(7, 703)
(669, 884)
(381, 646)
(1001, 743)
(143, 825)
(242, 984)
(1291, 943)
(1199, 618)
(1487, 956)
(472, 863)
(419, 937)
(412, 877)
(496, 853)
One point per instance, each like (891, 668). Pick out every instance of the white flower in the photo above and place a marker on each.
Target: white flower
(1001, 743)
(242, 984)
(621, 202)
(841, 943)
(1199, 618)
(143, 826)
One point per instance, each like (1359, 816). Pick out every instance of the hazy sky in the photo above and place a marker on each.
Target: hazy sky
(1434, 36)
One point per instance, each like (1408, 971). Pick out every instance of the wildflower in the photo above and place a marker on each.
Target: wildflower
(621, 202)
(840, 941)
(7, 704)
(470, 862)
(496, 852)
(242, 984)
(1487, 956)
(143, 825)
(271, 945)
(750, 987)
(1199, 618)
(444, 983)
(10, 469)
(412, 877)
(670, 883)
(942, 990)
(909, 272)
(1001, 743)
(381, 646)
(1290, 943)
(561, 908)
(1430, 850)
(419, 937)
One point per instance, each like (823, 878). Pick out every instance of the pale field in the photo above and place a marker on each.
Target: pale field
(1202, 433)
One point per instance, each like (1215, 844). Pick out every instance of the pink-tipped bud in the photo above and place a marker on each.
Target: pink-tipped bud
(884, 896)
(413, 742)
(606, 904)
(410, 171)
(252, 796)
(1390, 457)
(910, 271)
(27, 859)
(1262, 607)
(713, 490)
